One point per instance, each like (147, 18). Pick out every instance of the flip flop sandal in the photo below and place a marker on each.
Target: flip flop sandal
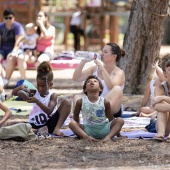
(168, 140)
(20, 110)
(17, 110)
(158, 138)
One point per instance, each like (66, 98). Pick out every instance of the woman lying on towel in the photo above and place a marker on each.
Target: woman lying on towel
(161, 103)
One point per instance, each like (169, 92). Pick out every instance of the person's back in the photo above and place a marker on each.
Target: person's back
(76, 19)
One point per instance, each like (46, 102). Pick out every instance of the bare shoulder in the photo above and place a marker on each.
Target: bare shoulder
(79, 101)
(54, 96)
(106, 103)
(159, 90)
(118, 71)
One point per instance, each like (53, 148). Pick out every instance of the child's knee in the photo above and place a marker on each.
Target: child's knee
(120, 121)
(67, 103)
(72, 124)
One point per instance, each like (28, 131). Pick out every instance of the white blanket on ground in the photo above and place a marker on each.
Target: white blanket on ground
(129, 122)
(136, 122)
(135, 134)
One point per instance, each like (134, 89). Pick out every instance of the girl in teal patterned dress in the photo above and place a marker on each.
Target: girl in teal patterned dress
(98, 121)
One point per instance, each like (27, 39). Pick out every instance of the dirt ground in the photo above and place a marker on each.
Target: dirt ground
(72, 153)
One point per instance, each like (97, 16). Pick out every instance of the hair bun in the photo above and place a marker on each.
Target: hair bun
(122, 52)
(44, 67)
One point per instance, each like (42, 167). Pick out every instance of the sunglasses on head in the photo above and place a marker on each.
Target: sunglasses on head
(8, 18)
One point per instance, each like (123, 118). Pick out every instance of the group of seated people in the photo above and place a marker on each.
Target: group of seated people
(32, 45)
(101, 103)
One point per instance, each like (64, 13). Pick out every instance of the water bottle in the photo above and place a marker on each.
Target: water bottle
(87, 55)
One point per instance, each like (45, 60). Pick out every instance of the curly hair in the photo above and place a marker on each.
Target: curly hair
(92, 77)
(44, 71)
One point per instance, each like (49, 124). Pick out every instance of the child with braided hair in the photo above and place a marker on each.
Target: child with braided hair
(44, 112)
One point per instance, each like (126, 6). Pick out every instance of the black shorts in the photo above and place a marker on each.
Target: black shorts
(119, 113)
(51, 123)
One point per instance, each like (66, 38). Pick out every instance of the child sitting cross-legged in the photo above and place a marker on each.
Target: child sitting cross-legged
(98, 121)
(45, 112)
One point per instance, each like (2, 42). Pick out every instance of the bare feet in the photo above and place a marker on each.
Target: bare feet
(90, 138)
(143, 115)
(159, 138)
(58, 133)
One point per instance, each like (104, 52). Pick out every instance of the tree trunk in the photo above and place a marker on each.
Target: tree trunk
(142, 42)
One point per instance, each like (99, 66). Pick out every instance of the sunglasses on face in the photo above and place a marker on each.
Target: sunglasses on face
(8, 18)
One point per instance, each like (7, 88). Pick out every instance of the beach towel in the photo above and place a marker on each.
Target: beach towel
(138, 134)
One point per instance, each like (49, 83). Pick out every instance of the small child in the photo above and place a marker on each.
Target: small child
(157, 78)
(44, 111)
(7, 112)
(98, 121)
(28, 45)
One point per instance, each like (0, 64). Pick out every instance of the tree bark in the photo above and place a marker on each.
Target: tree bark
(142, 42)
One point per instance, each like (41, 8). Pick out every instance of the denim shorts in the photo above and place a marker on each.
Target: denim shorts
(4, 53)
